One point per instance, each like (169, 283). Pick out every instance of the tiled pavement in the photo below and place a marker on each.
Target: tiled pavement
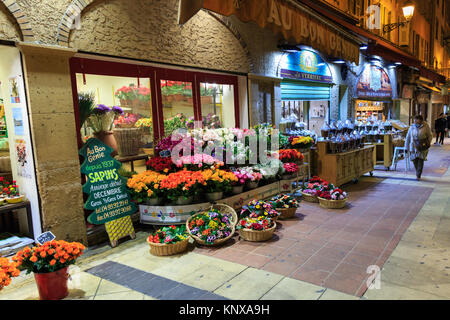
(319, 255)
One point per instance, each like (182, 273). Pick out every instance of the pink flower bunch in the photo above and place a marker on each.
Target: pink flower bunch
(247, 174)
(198, 160)
(290, 167)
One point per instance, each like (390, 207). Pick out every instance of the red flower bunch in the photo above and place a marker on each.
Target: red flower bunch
(289, 155)
(290, 167)
(160, 164)
(315, 179)
(325, 195)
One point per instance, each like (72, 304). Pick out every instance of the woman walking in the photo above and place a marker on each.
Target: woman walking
(440, 126)
(418, 142)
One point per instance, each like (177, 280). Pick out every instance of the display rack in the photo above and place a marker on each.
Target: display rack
(340, 168)
(384, 151)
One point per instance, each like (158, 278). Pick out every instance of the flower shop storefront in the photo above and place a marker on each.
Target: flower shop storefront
(155, 101)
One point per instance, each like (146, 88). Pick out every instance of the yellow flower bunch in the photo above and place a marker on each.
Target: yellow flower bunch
(143, 123)
(144, 180)
(302, 140)
(219, 175)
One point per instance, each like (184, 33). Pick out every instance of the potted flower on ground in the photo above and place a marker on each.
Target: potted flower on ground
(211, 227)
(218, 182)
(168, 240)
(310, 192)
(8, 270)
(285, 205)
(256, 229)
(290, 171)
(333, 199)
(49, 263)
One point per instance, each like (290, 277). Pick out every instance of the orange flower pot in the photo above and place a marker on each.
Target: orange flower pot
(52, 285)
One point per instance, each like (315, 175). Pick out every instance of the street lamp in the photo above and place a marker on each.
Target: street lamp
(408, 13)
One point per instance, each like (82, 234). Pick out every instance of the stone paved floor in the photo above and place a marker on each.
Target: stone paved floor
(394, 221)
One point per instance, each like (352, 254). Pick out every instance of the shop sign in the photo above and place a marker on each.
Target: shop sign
(108, 196)
(373, 83)
(289, 21)
(305, 65)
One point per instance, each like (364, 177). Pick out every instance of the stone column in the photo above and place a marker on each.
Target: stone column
(52, 124)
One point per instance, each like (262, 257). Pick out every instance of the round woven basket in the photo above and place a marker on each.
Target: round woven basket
(332, 204)
(257, 236)
(225, 210)
(162, 249)
(286, 213)
(310, 198)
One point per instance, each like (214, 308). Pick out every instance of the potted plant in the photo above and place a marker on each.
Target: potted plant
(211, 227)
(160, 164)
(8, 270)
(256, 229)
(168, 241)
(101, 122)
(290, 171)
(253, 177)
(243, 176)
(180, 187)
(126, 95)
(145, 187)
(86, 106)
(12, 193)
(301, 143)
(218, 182)
(290, 155)
(333, 199)
(49, 263)
(285, 205)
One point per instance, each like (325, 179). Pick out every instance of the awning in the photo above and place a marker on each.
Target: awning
(432, 88)
(432, 75)
(285, 18)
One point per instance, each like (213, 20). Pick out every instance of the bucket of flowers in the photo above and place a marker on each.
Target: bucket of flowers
(256, 229)
(290, 171)
(286, 205)
(8, 270)
(49, 263)
(333, 199)
(300, 142)
(257, 208)
(213, 227)
(181, 187)
(290, 155)
(252, 177)
(217, 182)
(145, 187)
(168, 241)
(242, 177)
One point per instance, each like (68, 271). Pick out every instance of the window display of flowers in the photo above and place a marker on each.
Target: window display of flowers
(130, 93)
(211, 121)
(8, 270)
(166, 144)
(49, 257)
(257, 224)
(290, 155)
(218, 180)
(210, 226)
(257, 208)
(160, 164)
(145, 123)
(290, 168)
(146, 185)
(284, 201)
(334, 194)
(127, 120)
(102, 118)
(173, 123)
(169, 235)
(182, 184)
(301, 142)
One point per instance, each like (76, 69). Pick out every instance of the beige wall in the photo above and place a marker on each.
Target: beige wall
(55, 142)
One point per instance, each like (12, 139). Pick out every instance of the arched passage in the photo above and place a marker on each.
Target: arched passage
(20, 18)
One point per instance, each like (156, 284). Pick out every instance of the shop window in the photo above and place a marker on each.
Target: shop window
(217, 103)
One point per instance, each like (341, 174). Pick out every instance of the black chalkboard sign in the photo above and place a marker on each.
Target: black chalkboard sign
(45, 237)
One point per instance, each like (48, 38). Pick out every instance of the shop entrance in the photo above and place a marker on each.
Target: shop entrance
(20, 220)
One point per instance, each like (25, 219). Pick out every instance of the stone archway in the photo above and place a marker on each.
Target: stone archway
(21, 19)
(206, 41)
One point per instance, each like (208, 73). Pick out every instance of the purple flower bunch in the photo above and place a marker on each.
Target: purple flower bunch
(117, 110)
(211, 238)
(101, 109)
(166, 144)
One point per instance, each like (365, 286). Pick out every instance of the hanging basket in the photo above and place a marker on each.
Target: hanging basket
(310, 198)
(129, 140)
(224, 210)
(332, 204)
(163, 249)
(286, 213)
(257, 236)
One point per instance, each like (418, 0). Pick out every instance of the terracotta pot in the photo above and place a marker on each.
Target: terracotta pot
(107, 137)
(52, 285)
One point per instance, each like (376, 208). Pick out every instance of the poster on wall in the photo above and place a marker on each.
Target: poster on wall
(374, 82)
(3, 128)
(23, 162)
(14, 89)
(18, 121)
